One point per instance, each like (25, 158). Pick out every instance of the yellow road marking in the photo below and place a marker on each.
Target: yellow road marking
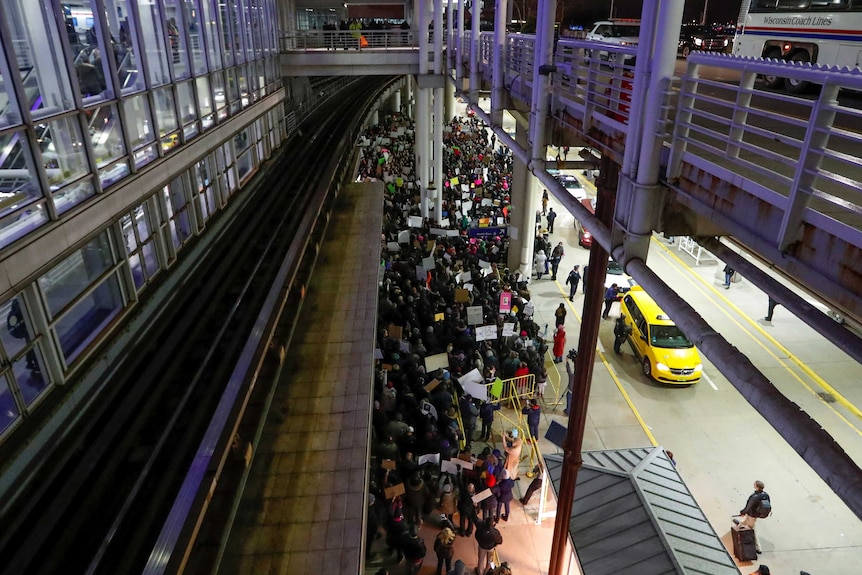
(808, 371)
(614, 377)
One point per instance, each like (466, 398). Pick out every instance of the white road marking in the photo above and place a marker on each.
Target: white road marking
(708, 380)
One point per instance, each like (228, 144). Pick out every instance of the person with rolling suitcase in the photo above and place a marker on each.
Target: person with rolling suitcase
(758, 506)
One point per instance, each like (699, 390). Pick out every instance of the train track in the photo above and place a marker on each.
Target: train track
(103, 501)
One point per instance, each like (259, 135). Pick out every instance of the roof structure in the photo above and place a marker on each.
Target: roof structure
(633, 514)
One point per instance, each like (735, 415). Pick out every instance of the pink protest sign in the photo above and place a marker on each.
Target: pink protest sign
(505, 302)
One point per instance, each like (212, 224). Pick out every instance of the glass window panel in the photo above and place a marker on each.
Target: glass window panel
(153, 42)
(126, 47)
(29, 375)
(245, 164)
(113, 173)
(225, 20)
(9, 411)
(177, 38)
(211, 35)
(36, 44)
(237, 27)
(190, 131)
(73, 276)
(137, 269)
(9, 113)
(70, 196)
(244, 92)
(219, 95)
(88, 47)
(18, 185)
(186, 96)
(195, 43)
(18, 333)
(88, 317)
(205, 102)
(151, 261)
(138, 124)
(130, 239)
(145, 156)
(105, 134)
(22, 222)
(142, 223)
(166, 115)
(246, 27)
(62, 150)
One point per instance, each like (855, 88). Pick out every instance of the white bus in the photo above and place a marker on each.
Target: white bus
(825, 32)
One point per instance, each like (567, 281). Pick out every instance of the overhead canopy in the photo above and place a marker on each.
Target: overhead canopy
(633, 514)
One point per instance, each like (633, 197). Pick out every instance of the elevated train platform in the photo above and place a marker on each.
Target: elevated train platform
(304, 508)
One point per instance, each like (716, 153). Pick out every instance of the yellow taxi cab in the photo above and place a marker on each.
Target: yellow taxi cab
(665, 353)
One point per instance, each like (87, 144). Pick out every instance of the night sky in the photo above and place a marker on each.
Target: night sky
(717, 11)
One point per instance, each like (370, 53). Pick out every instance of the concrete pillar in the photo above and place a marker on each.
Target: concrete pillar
(450, 35)
(544, 55)
(498, 77)
(396, 100)
(459, 45)
(450, 103)
(524, 194)
(639, 195)
(475, 83)
(423, 137)
(438, 153)
(375, 117)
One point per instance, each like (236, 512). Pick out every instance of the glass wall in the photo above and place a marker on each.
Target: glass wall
(91, 92)
(104, 92)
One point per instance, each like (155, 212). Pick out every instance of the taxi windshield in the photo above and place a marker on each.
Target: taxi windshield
(668, 336)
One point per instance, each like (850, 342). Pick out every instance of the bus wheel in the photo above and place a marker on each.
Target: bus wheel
(773, 81)
(794, 85)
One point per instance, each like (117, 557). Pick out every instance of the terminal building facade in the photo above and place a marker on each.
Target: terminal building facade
(125, 127)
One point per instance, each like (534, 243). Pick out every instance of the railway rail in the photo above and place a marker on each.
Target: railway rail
(103, 503)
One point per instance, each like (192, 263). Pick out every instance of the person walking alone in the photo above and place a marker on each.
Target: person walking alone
(757, 506)
(552, 215)
(572, 282)
(556, 258)
(772, 304)
(728, 276)
(560, 343)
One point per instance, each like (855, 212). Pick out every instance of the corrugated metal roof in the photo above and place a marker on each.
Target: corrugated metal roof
(633, 514)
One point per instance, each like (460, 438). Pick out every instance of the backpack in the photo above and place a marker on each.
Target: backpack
(764, 508)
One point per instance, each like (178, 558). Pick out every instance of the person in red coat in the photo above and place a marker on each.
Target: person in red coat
(559, 344)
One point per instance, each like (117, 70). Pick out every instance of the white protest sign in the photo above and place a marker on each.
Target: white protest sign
(414, 221)
(474, 315)
(440, 360)
(508, 329)
(473, 384)
(486, 332)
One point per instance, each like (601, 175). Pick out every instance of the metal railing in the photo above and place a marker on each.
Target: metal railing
(308, 40)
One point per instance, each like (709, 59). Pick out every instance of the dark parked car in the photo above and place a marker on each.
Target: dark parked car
(693, 38)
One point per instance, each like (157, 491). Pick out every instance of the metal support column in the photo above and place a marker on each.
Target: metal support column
(459, 51)
(450, 36)
(543, 56)
(438, 111)
(640, 196)
(498, 89)
(475, 46)
(524, 194)
(588, 338)
(423, 111)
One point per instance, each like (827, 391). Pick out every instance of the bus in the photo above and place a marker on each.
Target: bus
(823, 32)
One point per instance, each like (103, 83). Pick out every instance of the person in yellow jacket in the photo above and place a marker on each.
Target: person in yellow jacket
(355, 31)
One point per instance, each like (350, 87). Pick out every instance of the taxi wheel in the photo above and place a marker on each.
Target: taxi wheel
(647, 369)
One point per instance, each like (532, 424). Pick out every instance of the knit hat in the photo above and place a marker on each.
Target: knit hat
(447, 488)
(514, 433)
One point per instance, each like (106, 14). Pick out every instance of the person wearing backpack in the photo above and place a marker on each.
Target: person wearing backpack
(758, 506)
(487, 538)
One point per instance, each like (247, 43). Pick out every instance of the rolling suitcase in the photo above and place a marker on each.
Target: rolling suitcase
(744, 547)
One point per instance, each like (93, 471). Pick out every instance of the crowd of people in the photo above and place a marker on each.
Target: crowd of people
(424, 419)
